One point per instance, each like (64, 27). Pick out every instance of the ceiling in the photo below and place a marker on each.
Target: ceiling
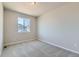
(31, 9)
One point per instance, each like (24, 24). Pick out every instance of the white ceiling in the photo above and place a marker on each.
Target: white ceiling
(30, 9)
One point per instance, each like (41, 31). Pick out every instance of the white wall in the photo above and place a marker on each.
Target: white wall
(1, 28)
(61, 27)
(11, 34)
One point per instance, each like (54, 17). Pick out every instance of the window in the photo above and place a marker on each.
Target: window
(23, 24)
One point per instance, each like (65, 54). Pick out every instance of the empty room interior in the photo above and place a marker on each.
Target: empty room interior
(39, 29)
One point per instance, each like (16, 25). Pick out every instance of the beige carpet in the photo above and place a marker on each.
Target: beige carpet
(36, 49)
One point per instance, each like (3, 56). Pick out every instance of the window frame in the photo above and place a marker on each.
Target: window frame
(24, 23)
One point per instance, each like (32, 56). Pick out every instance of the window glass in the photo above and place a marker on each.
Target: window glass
(23, 24)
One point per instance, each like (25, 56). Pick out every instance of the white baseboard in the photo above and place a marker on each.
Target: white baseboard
(60, 46)
(16, 42)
